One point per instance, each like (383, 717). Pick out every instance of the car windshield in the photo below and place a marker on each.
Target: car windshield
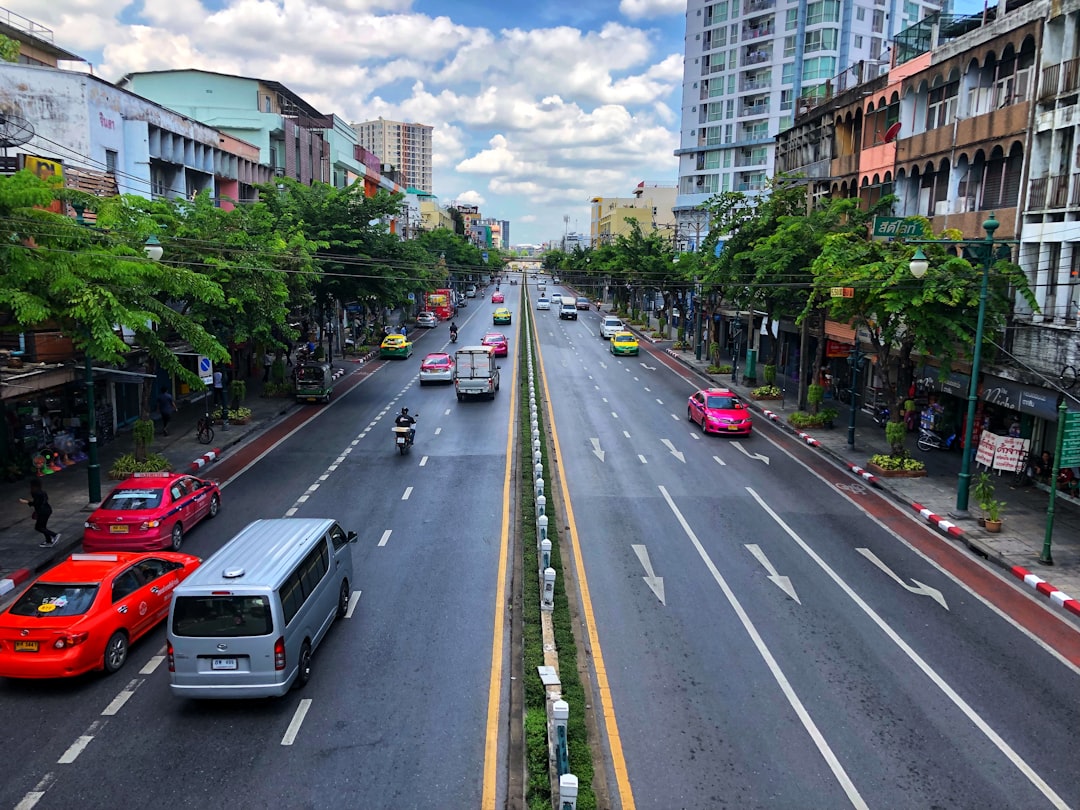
(215, 616)
(309, 374)
(47, 599)
(437, 361)
(624, 338)
(133, 500)
(721, 403)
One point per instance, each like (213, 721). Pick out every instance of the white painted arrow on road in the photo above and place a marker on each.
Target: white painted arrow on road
(655, 583)
(596, 449)
(648, 368)
(748, 454)
(919, 588)
(674, 452)
(783, 583)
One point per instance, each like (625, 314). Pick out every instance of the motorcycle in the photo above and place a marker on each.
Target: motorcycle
(932, 440)
(881, 415)
(403, 437)
(453, 335)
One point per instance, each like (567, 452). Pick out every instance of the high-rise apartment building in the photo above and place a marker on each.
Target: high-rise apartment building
(407, 147)
(749, 65)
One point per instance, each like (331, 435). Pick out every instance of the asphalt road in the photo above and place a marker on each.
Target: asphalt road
(867, 678)
(397, 712)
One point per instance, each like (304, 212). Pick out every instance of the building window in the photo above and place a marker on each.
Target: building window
(878, 25)
(720, 11)
(941, 105)
(787, 99)
(789, 46)
(266, 104)
(787, 75)
(791, 21)
(110, 161)
(858, 41)
(823, 67)
(822, 39)
(823, 11)
(860, 14)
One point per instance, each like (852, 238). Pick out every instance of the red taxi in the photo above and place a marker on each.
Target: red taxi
(150, 511)
(85, 613)
(497, 298)
(718, 410)
(497, 341)
(437, 367)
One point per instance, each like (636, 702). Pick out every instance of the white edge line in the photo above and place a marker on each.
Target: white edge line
(385, 537)
(354, 600)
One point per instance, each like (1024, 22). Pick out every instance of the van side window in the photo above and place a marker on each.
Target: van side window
(338, 537)
(303, 581)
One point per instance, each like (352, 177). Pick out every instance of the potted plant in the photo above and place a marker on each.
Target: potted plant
(983, 492)
(814, 395)
(769, 373)
(895, 432)
(993, 514)
(828, 417)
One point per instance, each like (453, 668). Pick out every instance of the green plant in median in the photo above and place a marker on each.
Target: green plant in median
(895, 433)
(766, 392)
(143, 434)
(724, 369)
(127, 464)
(814, 395)
(769, 374)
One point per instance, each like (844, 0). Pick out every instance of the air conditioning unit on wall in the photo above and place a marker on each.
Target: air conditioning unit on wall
(941, 208)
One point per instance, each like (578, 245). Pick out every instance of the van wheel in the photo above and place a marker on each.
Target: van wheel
(177, 538)
(343, 599)
(116, 651)
(303, 671)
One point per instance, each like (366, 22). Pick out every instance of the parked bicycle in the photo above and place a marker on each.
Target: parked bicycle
(204, 429)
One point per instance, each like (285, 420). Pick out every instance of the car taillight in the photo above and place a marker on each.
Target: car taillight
(70, 640)
(279, 654)
(172, 658)
(149, 524)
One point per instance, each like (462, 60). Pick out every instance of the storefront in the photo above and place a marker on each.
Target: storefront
(1035, 408)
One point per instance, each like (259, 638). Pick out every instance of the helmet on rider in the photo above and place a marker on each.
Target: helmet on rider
(404, 411)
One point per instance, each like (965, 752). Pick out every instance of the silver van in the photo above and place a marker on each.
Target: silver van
(246, 622)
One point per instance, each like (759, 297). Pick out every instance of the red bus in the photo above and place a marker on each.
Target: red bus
(441, 303)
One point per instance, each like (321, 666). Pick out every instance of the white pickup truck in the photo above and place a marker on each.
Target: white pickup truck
(475, 372)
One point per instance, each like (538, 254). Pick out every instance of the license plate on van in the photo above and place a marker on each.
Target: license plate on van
(223, 663)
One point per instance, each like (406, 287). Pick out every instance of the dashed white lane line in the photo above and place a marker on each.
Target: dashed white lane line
(354, 600)
(79, 745)
(34, 796)
(642, 459)
(626, 433)
(423, 461)
(153, 663)
(614, 415)
(659, 401)
(407, 493)
(438, 431)
(695, 437)
(122, 698)
(446, 412)
(675, 416)
(719, 461)
(296, 722)
(385, 537)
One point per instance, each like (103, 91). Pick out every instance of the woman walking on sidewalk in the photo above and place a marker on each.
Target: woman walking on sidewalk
(39, 502)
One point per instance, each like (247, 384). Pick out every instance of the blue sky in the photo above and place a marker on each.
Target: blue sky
(537, 105)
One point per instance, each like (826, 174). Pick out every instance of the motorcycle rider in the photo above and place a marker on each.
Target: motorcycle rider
(404, 420)
(453, 331)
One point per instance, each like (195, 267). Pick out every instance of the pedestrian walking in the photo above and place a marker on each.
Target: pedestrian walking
(268, 361)
(39, 502)
(219, 392)
(167, 407)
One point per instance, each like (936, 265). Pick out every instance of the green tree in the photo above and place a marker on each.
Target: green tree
(9, 49)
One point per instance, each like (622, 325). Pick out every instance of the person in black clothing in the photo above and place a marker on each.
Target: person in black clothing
(39, 502)
(404, 420)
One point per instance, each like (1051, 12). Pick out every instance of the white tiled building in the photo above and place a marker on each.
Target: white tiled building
(405, 146)
(748, 63)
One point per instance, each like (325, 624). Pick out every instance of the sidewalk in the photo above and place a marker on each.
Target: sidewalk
(1016, 548)
(20, 556)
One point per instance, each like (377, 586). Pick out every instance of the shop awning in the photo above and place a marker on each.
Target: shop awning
(1016, 396)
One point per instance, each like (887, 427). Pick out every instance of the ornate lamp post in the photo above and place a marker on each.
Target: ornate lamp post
(986, 249)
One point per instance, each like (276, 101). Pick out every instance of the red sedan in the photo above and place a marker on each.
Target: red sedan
(718, 410)
(85, 613)
(497, 340)
(497, 298)
(437, 367)
(150, 511)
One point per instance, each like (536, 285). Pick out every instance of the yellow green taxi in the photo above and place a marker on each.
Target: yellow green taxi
(624, 343)
(501, 316)
(395, 346)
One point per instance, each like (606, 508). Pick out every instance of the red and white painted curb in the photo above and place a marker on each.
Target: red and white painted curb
(855, 468)
(206, 458)
(14, 580)
(1046, 589)
(938, 522)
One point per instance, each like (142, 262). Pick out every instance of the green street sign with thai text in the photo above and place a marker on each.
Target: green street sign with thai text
(1070, 446)
(887, 227)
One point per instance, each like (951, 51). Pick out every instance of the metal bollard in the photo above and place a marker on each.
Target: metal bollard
(539, 487)
(545, 552)
(535, 435)
(536, 446)
(538, 470)
(560, 713)
(547, 599)
(542, 528)
(541, 505)
(538, 457)
(568, 790)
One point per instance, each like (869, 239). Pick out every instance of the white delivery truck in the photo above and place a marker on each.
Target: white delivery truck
(475, 372)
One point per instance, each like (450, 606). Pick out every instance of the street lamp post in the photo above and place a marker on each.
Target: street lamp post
(855, 360)
(918, 266)
(153, 252)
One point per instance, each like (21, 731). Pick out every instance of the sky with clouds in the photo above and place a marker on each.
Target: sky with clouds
(536, 106)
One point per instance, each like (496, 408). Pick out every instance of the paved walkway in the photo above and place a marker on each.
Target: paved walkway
(1016, 548)
(68, 490)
